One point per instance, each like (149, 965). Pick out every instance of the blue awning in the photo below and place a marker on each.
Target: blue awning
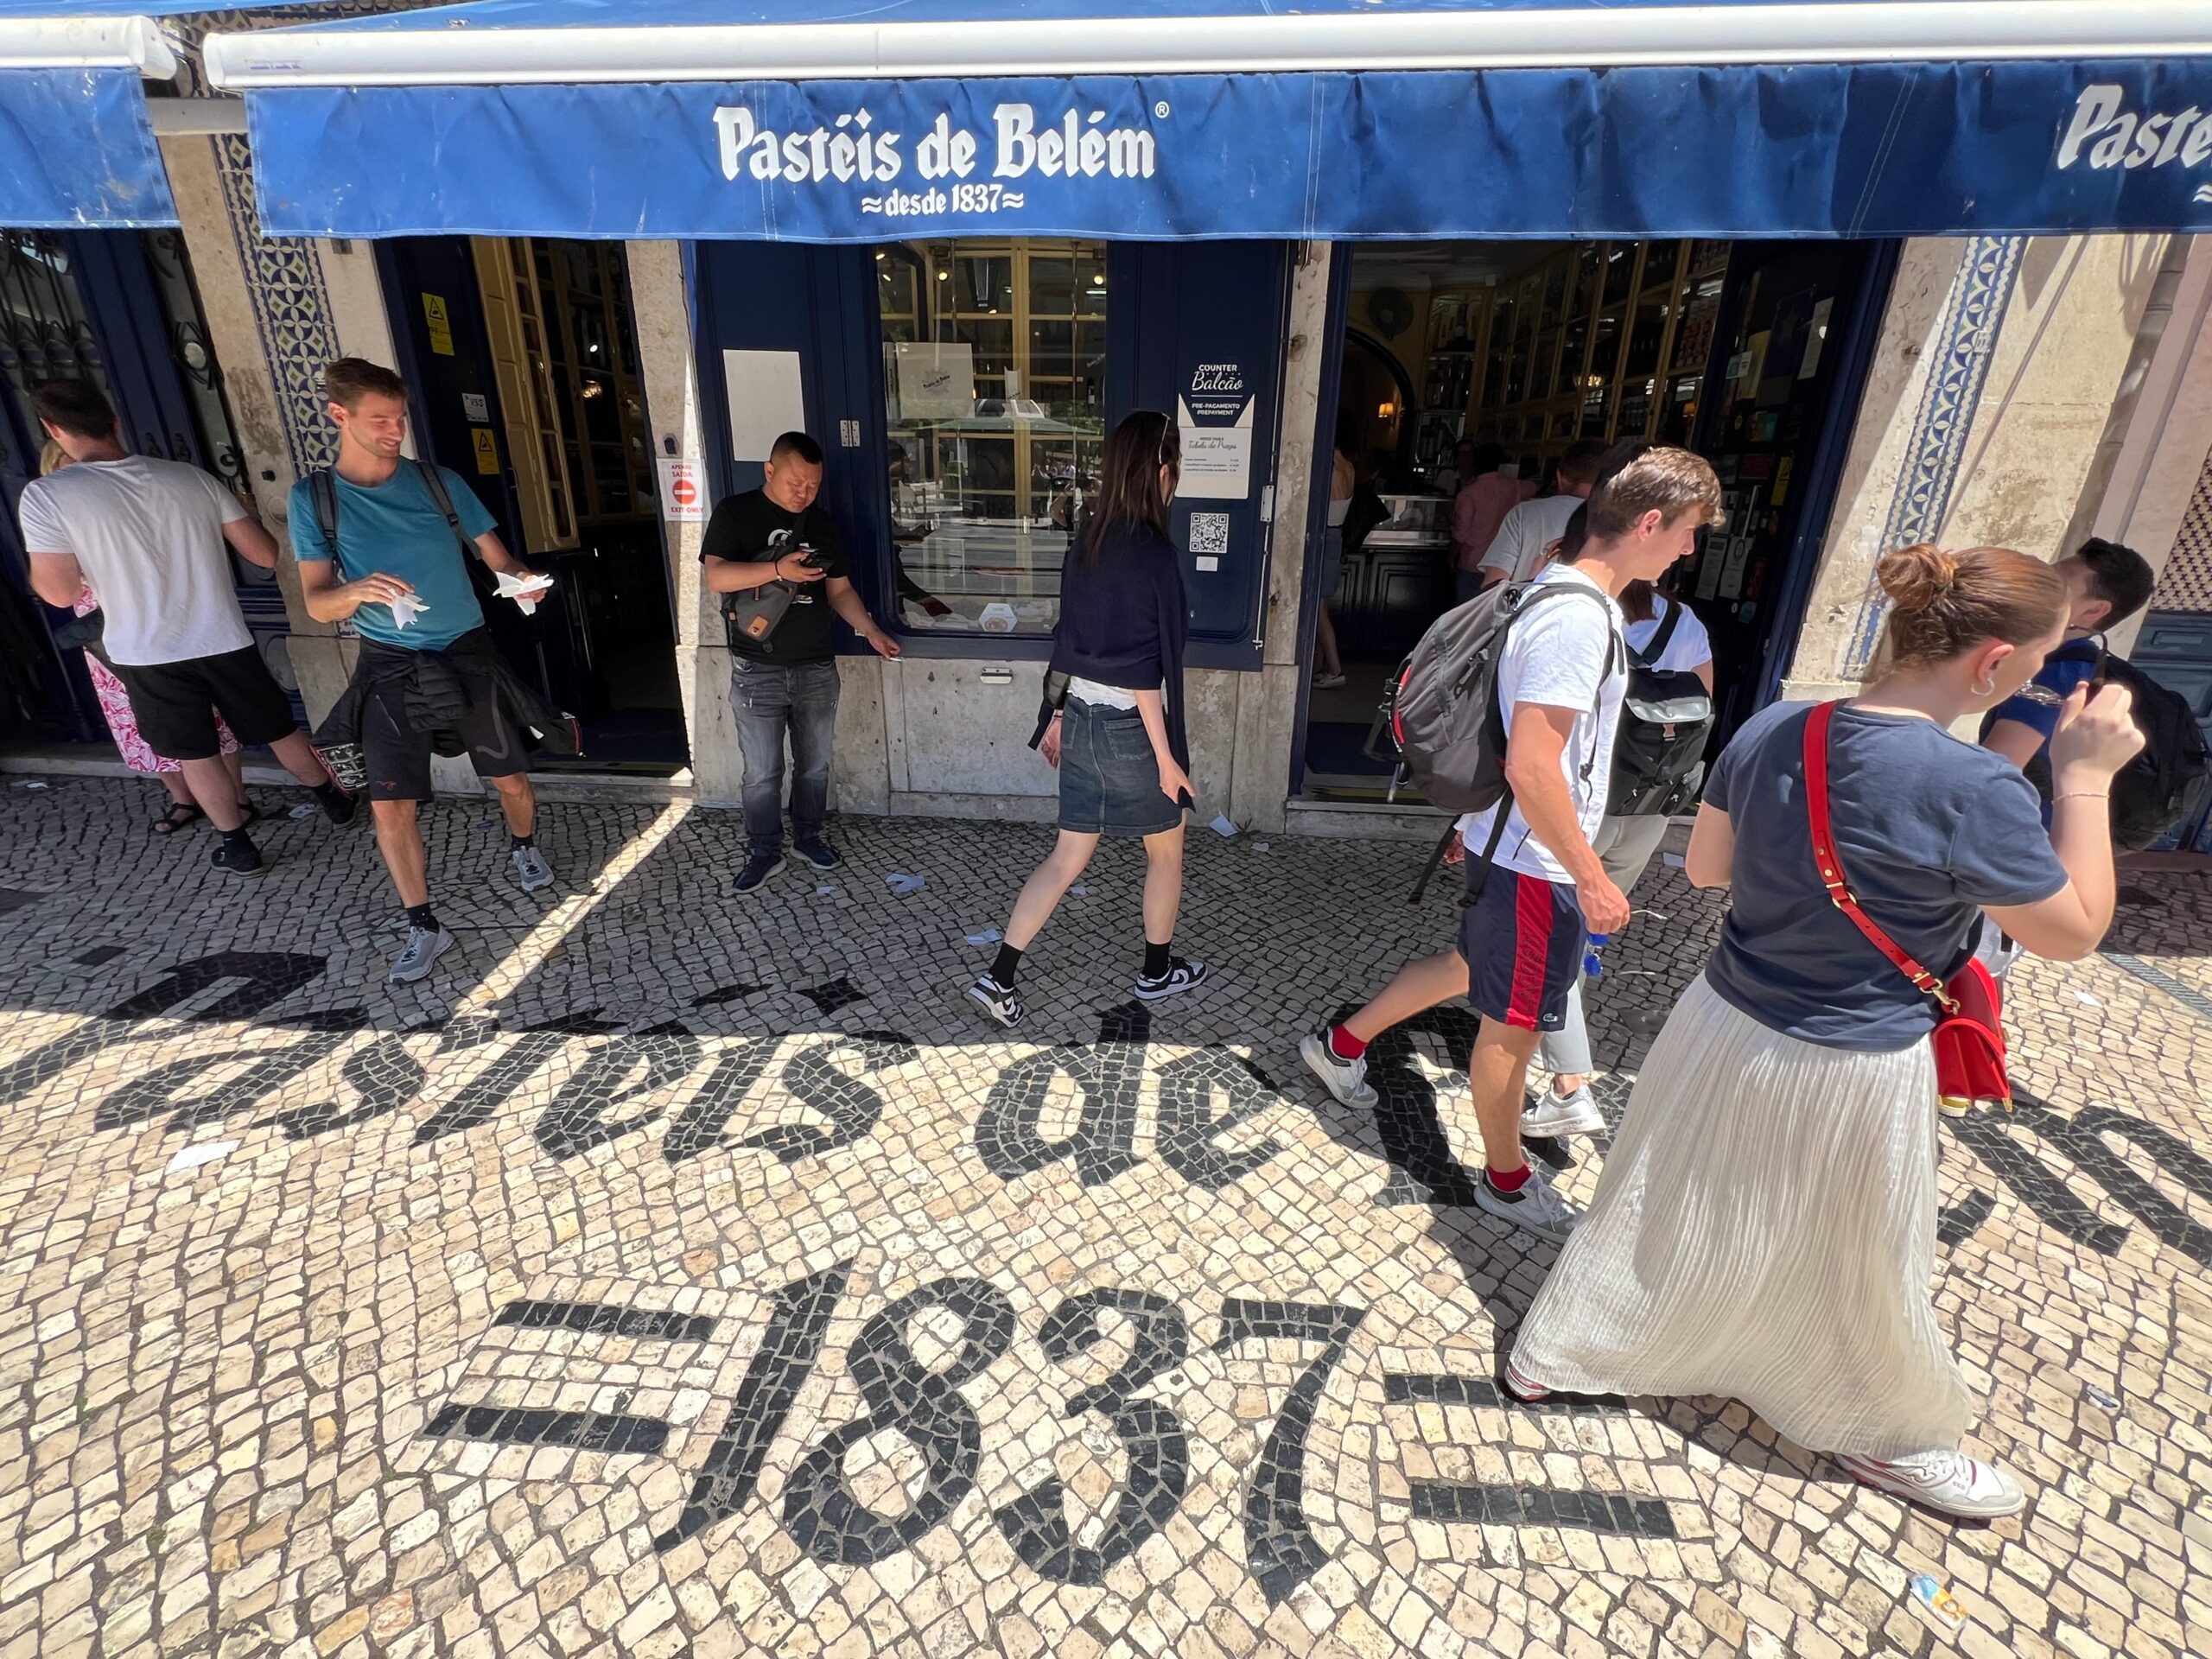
(839, 121)
(77, 150)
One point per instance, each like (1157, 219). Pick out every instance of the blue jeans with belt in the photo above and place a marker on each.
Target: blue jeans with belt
(774, 701)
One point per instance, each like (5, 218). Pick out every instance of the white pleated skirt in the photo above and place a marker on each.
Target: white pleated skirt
(1764, 1229)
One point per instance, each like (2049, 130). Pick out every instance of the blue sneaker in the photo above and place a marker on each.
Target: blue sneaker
(758, 869)
(817, 852)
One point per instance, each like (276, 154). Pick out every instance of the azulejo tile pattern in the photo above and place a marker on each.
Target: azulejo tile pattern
(1965, 337)
(684, 1274)
(291, 312)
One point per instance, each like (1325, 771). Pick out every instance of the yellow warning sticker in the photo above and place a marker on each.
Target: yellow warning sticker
(488, 451)
(434, 311)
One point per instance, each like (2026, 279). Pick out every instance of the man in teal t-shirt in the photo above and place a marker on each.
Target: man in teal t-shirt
(399, 574)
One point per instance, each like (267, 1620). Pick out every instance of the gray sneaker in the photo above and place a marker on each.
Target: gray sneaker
(530, 866)
(1345, 1080)
(1549, 1113)
(424, 946)
(1534, 1207)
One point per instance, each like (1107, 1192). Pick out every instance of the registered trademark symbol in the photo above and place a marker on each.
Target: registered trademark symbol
(1160, 109)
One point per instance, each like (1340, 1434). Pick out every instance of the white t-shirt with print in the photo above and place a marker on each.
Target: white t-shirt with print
(1564, 654)
(149, 536)
(1527, 530)
(1691, 647)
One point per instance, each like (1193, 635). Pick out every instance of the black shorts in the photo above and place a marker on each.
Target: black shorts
(176, 703)
(1523, 942)
(395, 753)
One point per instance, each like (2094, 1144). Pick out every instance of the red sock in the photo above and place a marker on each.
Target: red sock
(1509, 1180)
(1345, 1046)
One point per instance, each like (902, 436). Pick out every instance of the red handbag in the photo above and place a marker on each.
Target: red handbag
(1969, 1038)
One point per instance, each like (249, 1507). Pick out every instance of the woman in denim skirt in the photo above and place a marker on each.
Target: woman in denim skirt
(1117, 735)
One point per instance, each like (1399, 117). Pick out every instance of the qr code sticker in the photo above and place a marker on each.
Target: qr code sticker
(1209, 532)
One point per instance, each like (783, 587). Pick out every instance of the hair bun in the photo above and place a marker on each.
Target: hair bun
(1919, 578)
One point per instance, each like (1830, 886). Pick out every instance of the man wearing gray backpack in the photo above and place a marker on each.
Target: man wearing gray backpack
(1536, 888)
(382, 542)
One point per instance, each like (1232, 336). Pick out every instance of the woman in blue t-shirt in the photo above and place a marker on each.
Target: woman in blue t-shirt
(1765, 1226)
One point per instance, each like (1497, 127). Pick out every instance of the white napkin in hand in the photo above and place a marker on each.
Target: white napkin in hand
(525, 591)
(405, 608)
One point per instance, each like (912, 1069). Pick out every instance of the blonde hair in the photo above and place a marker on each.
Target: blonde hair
(53, 459)
(1671, 482)
(1943, 603)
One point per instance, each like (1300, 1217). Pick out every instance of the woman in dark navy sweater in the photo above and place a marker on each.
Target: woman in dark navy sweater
(1118, 737)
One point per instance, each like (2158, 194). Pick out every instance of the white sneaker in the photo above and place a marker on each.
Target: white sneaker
(1183, 973)
(530, 866)
(1948, 1481)
(1536, 1208)
(1346, 1080)
(424, 946)
(1551, 1113)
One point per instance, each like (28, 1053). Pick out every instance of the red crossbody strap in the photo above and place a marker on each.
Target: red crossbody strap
(1829, 862)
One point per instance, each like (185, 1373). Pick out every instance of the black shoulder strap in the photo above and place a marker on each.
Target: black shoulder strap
(322, 488)
(433, 481)
(1652, 653)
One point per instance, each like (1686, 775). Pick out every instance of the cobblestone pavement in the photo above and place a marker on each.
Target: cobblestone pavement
(685, 1274)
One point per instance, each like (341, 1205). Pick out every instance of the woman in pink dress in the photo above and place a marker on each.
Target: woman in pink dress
(123, 726)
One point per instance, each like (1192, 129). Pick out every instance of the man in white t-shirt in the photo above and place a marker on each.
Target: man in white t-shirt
(147, 536)
(1536, 885)
(1529, 529)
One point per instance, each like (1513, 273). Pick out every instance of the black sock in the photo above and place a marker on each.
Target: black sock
(238, 837)
(1155, 959)
(419, 916)
(516, 843)
(328, 793)
(1003, 969)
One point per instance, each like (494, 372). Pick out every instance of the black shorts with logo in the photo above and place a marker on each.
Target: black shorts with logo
(396, 752)
(176, 703)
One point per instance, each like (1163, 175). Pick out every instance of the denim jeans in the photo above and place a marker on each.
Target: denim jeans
(771, 700)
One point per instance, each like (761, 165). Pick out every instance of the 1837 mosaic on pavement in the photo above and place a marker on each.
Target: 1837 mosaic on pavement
(680, 1277)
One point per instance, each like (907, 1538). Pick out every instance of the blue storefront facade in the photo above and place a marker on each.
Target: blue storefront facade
(958, 242)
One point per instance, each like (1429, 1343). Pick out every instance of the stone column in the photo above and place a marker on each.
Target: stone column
(1993, 380)
(1267, 702)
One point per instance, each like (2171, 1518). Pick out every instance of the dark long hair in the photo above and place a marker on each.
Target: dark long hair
(1129, 478)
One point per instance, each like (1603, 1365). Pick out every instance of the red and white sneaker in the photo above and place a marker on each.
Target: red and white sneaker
(1518, 1385)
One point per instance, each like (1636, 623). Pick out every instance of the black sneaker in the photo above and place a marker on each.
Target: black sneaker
(239, 858)
(758, 869)
(1001, 1001)
(817, 852)
(338, 806)
(1183, 975)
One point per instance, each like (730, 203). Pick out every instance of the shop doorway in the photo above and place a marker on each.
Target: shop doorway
(1752, 353)
(523, 356)
(120, 308)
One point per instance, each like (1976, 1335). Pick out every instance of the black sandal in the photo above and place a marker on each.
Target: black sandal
(169, 824)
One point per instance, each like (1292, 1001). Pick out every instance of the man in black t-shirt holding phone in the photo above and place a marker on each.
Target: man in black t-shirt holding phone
(783, 655)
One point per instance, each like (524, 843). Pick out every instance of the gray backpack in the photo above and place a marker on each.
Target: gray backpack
(1444, 713)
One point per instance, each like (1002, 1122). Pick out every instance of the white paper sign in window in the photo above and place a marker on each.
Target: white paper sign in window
(765, 401)
(1217, 460)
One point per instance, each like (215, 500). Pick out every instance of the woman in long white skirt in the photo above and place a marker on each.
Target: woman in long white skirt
(1765, 1225)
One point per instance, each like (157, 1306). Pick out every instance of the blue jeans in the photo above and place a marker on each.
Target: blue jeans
(771, 700)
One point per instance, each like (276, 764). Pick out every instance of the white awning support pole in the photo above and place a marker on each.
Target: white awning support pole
(1578, 37)
(87, 43)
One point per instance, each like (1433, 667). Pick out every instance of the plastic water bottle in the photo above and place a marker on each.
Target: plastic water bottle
(1593, 966)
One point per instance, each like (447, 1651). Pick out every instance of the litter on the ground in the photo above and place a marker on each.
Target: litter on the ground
(1260, 846)
(825, 889)
(2087, 1001)
(902, 884)
(2098, 1396)
(1934, 1598)
(304, 809)
(1079, 889)
(207, 1153)
(1222, 826)
(1672, 861)
(985, 936)
(32, 783)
